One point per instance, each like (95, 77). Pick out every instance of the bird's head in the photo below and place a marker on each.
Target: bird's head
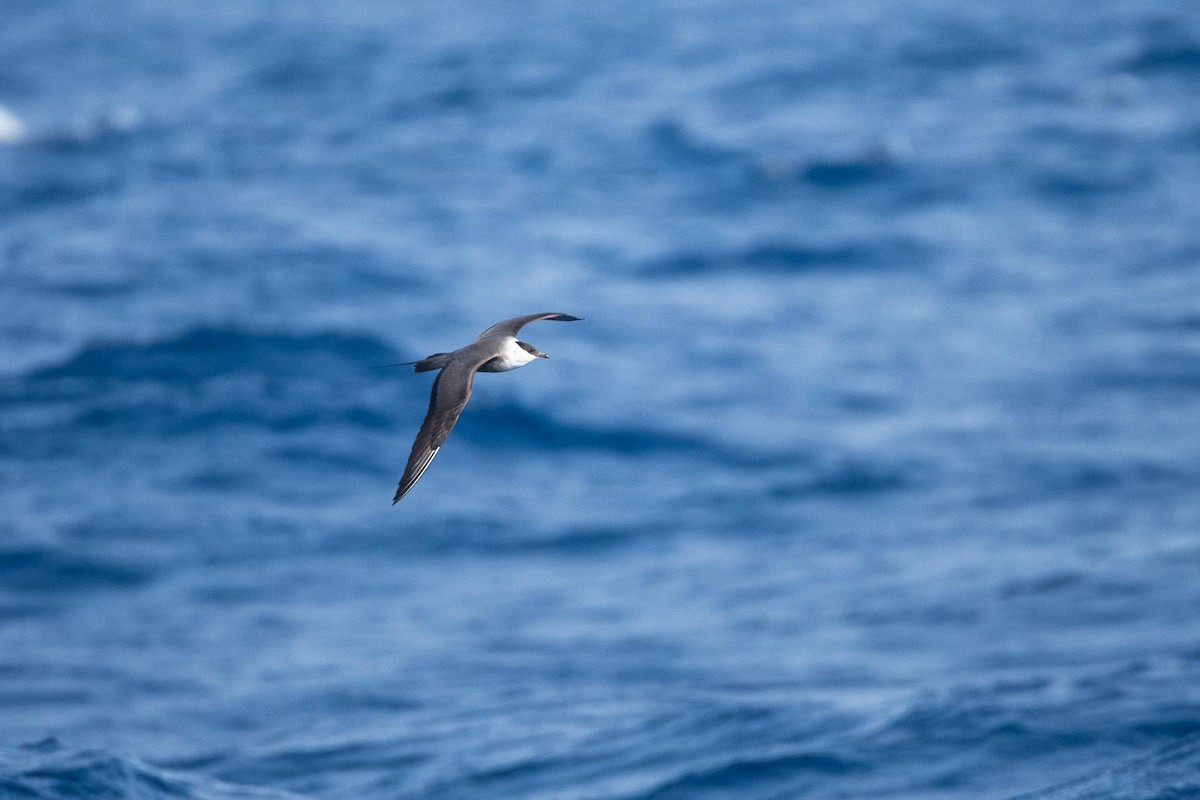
(533, 351)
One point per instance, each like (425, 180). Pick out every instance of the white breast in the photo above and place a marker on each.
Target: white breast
(511, 356)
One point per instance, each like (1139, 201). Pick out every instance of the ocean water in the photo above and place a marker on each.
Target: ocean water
(874, 470)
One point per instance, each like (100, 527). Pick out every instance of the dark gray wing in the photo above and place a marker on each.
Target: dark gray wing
(511, 326)
(451, 390)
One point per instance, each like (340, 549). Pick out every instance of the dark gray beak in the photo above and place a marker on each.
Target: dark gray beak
(543, 355)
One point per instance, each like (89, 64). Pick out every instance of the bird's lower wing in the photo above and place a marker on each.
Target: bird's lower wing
(449, 396)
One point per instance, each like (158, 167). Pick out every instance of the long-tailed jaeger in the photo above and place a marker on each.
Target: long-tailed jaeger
(495, 350)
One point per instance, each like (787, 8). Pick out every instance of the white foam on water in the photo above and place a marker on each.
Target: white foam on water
(12, 129)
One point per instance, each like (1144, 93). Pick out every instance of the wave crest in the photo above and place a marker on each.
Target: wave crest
(46, 769)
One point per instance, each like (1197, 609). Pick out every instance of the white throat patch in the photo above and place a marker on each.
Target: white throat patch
(513, 356)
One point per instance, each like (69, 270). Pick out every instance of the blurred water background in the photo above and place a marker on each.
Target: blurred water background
(873, 472)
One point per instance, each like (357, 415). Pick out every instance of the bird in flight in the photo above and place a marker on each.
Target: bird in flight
(495, 350)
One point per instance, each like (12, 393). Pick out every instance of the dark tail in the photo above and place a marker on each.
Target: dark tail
(435, 361)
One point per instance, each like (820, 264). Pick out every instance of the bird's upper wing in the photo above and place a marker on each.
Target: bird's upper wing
(451, 390)
(511, 326)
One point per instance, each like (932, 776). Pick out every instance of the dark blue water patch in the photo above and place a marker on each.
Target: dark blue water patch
(1073, 165)
(1084, 593)
(1051, 583)
(370, 698)
(871, 166)
(90, 289)
(201, 380)
(462, 96)
(1082, 182)
(477, 80)
(335, 270)
(303, 70)
(1068, 138)
(17, 610)
(724, 176)
(1153, 371)
(275, 415)
(447, 90)
(469, 95)
(756, 777)
(788, 258)
(106, 138)
(1180, 257)
(850, 172)
(220, 480)
(329, 459)
(50, 771)
(962, 46)
(33, 185)
(1168, 49)
(685, 147)
(869, 403)
(1176, 727)
(488, 535)
(888, 615)
(511, 425)
(570, 541)
(296, 72)
(528, 772)
(1186, 322)
(52, 571)
(208, 352)
(12, 697)
(853, 476)
(121, 418)
(1096, 476)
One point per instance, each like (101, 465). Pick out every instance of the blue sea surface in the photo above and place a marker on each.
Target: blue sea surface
(873, 472)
